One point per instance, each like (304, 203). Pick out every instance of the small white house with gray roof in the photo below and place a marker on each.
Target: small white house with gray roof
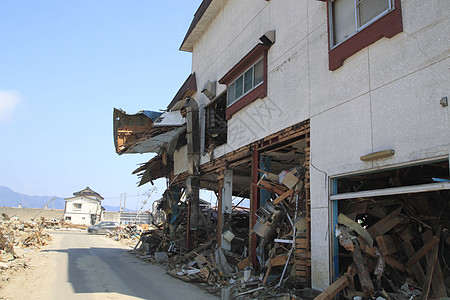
(84, 208)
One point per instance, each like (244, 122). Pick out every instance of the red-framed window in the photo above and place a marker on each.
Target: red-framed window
(356, 24)
(247, 80)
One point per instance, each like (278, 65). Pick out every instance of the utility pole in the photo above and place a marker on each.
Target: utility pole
(124, 201)
(120, 205)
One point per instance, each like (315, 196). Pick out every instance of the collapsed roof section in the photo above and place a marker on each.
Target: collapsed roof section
(128, 129)
(147, 131)
(157, 167)
(154, 132)
(151, 131)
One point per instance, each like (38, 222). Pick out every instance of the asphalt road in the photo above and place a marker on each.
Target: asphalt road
(82, 266)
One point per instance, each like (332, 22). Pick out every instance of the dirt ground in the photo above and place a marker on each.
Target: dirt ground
(76, 265)
(26, 270)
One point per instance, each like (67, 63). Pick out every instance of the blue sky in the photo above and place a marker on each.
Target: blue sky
(64, 66)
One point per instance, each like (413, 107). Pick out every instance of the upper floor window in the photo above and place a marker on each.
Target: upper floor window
(246, 82)
(356, 24)
(350, 16)
(77, 206)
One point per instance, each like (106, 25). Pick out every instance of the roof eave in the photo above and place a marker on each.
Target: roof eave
(204, 16)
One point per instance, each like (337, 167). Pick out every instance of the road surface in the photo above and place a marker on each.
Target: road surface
(81, 266)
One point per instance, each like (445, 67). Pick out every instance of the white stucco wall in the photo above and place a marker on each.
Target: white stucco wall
(83, 215)
(386, 96)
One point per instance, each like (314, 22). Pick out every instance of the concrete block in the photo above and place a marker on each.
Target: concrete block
(161, 257)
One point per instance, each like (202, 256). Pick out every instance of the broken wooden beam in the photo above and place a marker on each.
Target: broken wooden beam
(389, 260)
(334, 289)
(422, 251)
(437, 284)
(386, 244)
(246, 262)
(279, 261)
(430, 270)
(416, 267)
(266, 185)
(385, 224)
(363, 275)
(283, 196)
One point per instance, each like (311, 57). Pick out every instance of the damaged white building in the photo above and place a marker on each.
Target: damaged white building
(350, 95)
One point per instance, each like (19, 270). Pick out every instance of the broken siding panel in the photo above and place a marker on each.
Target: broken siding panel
(180, 160)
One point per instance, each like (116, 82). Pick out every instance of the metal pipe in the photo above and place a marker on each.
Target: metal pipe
(193, 154)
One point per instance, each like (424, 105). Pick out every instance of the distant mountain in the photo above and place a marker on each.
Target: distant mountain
(10, 198)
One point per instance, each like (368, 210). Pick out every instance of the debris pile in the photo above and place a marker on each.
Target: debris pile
(128, 232)
(281, 231)
(393, 248)
(15, 233)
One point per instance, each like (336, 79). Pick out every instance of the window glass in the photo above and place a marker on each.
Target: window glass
(343, 15)
(370, 9)
(259, 73)
(230, 93)
(248, 80)
(239, 87)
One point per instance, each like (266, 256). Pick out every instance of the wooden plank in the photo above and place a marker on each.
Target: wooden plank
(205, 261)
(389, 260)
(363, 275)
(279, 261)
(437, 284)
(269, 187)
(430, 270)
(386, 244)
(416, 267)
(422, 251)
(395, 263)
(283, 196)
(246, 262)
(385, 224)
(267, 275)
(334, 289)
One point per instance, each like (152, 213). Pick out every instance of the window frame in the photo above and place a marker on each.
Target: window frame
(77, 206)
(358, 27)
(259, 91)
(253, 85)
(387, 24)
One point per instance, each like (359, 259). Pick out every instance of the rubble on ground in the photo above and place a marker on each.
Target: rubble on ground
(16, 238)
(229, 273)
(16, 233)
(393, 248)
(128, 234)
